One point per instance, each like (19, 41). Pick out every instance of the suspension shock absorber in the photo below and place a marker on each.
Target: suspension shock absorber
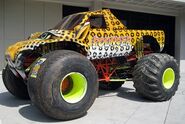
(139, 48)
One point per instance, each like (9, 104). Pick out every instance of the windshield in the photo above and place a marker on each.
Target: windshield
(69, 22)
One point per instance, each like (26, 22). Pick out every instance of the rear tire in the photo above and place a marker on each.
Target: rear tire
(156, 77)
(110, 85)
(15, 85)
(46, 86)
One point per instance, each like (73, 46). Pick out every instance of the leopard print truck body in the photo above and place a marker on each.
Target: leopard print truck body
(113, 41)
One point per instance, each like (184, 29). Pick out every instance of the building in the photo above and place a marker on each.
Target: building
(20, 18)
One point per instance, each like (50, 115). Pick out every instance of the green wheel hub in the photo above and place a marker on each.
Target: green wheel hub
(168, 78)
(73, 87)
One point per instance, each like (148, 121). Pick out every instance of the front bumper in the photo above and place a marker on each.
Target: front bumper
(14, 68)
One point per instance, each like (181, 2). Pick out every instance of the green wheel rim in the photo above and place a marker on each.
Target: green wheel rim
(168, 78)
(76, 87)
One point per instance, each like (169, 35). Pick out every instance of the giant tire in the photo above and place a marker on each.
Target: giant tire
(156, 76)
(15, 85)
(44, 89)
(110, 85)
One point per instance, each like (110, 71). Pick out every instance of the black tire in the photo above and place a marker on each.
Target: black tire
(148, 74)
(15, 85)
(44, 89)
(110, 85)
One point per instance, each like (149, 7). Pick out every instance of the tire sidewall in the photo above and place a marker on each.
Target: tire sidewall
(172, 65)
(148, 76)
(15, 85)
(51, 85)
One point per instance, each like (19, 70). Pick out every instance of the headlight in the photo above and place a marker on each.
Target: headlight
(45, 35)
(19, 61)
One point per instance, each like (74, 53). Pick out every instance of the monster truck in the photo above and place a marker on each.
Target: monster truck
(59, 69)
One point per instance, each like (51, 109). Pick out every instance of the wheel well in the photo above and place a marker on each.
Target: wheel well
(152, 42)
(63, 45)
(31, 55)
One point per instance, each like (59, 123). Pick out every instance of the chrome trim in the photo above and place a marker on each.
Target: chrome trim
(18, 62)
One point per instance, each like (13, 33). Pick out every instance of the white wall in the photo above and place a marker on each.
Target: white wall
(1, 34)
(20, 18)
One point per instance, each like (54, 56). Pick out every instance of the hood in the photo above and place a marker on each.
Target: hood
(36, 40)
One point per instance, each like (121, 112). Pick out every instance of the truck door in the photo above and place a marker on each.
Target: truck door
(96, 37)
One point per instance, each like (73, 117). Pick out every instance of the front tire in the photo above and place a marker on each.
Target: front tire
(15, 85)
(156, 76)
(65, 85)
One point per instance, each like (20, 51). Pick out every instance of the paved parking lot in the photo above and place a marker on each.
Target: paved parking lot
(123, 106)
